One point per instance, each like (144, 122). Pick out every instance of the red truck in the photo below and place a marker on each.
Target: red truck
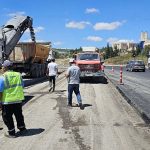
(90, 64)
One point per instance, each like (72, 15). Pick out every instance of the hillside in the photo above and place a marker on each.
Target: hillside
(124, 59)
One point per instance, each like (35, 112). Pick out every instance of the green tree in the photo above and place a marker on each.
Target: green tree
(111, 52)
(116, 51)
(56, 54)
(146, 50)
(107, 51)
(138, 50)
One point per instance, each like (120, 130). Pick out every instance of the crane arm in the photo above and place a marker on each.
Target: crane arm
(11, 33)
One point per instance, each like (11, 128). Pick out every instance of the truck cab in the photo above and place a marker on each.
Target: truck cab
(89, 63)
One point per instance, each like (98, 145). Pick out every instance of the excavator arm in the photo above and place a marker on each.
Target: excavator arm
(11, 33)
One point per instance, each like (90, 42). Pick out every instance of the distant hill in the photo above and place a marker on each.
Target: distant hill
(63, 49)
(124, 59)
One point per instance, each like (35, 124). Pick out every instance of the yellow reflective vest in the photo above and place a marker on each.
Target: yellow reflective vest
(13, 88)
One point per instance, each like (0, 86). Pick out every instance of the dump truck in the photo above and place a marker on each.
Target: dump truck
(29, 58)
(90, 64)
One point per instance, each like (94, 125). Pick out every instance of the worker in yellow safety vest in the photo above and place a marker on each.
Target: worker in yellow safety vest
(11, 97)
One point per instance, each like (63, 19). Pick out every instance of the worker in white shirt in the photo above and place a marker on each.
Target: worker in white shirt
(148, 63)
(52, 72)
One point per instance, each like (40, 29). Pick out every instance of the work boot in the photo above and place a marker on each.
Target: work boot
(23, 131)
(8, 135)
(81, 106)
(50, 89)
(53, 88)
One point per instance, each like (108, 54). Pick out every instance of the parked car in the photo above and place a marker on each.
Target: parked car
(135, 65)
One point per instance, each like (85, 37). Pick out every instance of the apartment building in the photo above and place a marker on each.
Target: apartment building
(145, 38)
(124, 46)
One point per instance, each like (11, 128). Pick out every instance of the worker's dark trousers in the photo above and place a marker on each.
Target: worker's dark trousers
(7, 115)
(52, 80)
(73, 88)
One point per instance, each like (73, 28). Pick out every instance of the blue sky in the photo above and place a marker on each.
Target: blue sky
(75, 23)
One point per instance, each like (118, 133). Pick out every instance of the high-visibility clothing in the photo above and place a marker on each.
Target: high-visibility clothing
(13, 90)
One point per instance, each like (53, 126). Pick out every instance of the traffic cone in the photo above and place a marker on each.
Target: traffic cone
(120, 81)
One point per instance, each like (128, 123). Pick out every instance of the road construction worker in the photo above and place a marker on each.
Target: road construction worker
(52, 72)
(74, 55)
(73, 75)
(102, 66)
(11, 97)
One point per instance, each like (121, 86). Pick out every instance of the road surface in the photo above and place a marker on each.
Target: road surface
(107, 122)
(136, 88)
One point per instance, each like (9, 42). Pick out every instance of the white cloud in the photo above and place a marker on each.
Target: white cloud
(36, 30)
(58, 43)
(77, 25)
(111, 40)
(27, 40)
(107, 26)
(94, 38)
(16, 13)
(91, 10)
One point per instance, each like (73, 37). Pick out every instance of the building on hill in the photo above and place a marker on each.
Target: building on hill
(124, 46)
(127, 46)
(144, 36)
(145, 39)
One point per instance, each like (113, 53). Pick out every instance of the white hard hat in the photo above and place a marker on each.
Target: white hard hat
(71, 60)
(7, 63)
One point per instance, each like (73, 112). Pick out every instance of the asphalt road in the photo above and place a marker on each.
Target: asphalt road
(107, 121)
(136, 87)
